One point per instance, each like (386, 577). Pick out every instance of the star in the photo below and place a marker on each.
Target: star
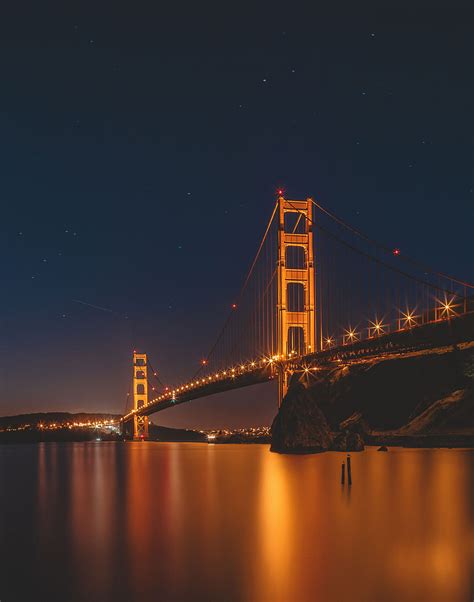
(264, 80)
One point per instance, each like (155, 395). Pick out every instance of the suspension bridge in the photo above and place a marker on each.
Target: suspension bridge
(318, 292)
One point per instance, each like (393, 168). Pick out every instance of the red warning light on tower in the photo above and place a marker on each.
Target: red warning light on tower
(396, 252)
(203, 362)
(234, 306)
(280, 191)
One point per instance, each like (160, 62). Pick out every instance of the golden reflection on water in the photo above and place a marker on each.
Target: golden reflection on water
(273, 536)
(149, 521)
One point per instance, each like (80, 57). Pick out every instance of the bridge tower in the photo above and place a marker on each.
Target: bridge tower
(296, 333)
(140, 395)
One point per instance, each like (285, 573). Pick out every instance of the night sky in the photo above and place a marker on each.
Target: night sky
(140, 155)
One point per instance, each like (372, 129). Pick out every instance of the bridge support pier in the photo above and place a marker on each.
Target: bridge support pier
(140, 395)
(140, 428)
(284, 376)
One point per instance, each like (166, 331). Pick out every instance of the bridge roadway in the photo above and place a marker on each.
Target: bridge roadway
(428, 336)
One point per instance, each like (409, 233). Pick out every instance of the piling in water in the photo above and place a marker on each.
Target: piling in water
(343, 473)
(349, 474)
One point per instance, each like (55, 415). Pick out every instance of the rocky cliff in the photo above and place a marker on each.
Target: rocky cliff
(300, 426)
(423, 393)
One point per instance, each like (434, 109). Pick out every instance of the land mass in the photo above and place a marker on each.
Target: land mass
(64, 426)
(421, 399)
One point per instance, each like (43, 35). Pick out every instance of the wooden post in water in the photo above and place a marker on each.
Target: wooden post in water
(343, 473)
(349, 474)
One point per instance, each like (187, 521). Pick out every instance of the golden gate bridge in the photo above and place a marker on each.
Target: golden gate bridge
(318, 292)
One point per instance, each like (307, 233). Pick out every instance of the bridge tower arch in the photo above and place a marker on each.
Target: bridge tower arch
(140, 395)
(291, 321)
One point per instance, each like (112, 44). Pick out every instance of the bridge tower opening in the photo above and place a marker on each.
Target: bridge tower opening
(140, 395)
(296, 334)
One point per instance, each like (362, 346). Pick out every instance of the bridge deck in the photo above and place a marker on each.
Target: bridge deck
(437, 334)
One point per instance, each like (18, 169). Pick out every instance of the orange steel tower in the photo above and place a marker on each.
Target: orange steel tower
(140, 395)
(295, 325)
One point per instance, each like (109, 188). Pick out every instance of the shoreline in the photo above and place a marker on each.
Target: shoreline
(421, 441)
(378, 439)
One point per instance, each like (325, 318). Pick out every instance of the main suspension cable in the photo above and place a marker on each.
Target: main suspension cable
(242, 290)
(388, 249)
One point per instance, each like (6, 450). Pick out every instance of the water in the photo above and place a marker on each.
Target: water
(182, 521)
